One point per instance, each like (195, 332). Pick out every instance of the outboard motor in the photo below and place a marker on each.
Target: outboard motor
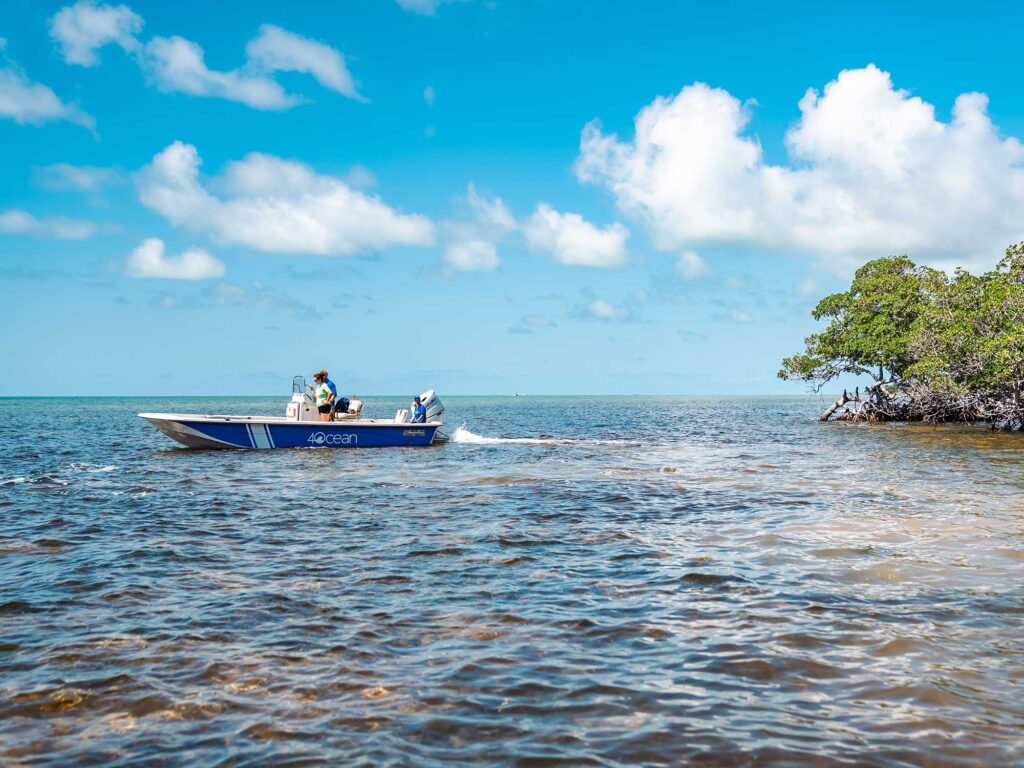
(432, 403)
(435, 412)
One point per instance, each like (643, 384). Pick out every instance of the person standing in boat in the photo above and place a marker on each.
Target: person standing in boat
(419, 413)
(335, 403)
(323, 396)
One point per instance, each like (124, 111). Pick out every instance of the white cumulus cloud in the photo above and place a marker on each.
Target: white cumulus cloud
(18, 222)
(150, 261)
(872, 172)
(83, 28)
(573, 240)
(275, 205)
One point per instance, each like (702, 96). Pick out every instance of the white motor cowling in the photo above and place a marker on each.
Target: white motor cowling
(433, 405)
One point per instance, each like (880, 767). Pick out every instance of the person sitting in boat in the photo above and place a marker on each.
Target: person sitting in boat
(419, 413)
(323, 396)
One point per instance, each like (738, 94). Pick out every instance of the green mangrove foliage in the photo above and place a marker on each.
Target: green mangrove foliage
(937, 347)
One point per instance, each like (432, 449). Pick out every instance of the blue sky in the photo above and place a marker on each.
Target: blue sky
(482, 197)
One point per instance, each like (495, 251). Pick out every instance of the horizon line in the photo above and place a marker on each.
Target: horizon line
(502, 394)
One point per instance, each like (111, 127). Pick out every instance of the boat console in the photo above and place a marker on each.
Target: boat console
(302, 408)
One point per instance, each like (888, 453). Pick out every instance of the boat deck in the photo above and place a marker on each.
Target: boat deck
(223, 419)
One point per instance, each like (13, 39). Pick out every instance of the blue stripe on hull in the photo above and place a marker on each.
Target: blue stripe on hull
(313, 435)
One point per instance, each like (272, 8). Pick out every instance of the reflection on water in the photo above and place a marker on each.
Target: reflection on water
(648, 580)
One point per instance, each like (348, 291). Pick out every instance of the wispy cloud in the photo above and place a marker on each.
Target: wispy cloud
(178, 65)
(252, 295)
(471, 256)
(690, 265)
(424, 7)
(27, 102)
(602, 310)
(472, 241)
(567, 237)
(256, 294)
(81, 178)
(530, 323)
(361, 177)
(19, 222)
(807, 287)
(278, 50)
(690, 335)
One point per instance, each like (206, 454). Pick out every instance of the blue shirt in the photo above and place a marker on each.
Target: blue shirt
(419, 414)
(334, 390)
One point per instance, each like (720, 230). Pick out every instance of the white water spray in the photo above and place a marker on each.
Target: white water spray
(463, 435)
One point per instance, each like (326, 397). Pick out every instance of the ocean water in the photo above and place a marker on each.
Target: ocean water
(577, 581)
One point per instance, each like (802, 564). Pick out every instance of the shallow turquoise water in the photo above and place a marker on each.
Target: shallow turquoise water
(584, 581)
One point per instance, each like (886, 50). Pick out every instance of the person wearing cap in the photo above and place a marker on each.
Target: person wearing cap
(419, 413)
(334, 391)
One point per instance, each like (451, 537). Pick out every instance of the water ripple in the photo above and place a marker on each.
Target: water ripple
(574, 582)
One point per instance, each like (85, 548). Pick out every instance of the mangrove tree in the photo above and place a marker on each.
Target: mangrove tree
(937, 347)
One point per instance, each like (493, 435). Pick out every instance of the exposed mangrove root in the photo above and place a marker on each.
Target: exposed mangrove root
(911, 401)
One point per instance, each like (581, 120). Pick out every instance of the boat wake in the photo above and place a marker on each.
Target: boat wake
(463, 435)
